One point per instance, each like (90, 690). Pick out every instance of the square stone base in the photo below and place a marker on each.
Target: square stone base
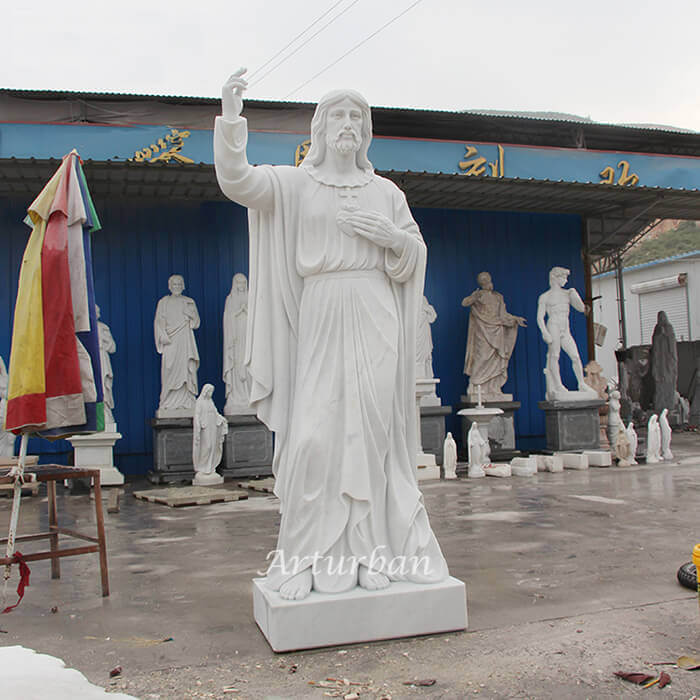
(572, 425)
(248, 448)
(432, 429)
(172, 450)
(321, 620)
(96, 450)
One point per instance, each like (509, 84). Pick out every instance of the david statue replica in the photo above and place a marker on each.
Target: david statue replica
(337, 267)
(553, 305)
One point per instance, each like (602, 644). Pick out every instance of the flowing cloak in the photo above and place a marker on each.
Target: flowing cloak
(180, 356)
(208, 431)
(490, 341)
(339, 507)
(235, 328)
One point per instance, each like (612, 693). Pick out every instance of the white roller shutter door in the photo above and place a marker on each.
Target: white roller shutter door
(674, 302)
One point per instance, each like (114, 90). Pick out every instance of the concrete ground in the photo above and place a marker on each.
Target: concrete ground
(570, 578)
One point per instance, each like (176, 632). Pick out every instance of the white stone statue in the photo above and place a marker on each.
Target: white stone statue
(665, 435)
(449, 457)
(554, 304)
(490, 341)
(7, 439)
(235, 328)
(634, 441)
(107, 347)
(653, 441)
(614, 420)
(336, 285)
(424, 342)
(478, 452)
(623, 449)
(174, 324)
(209, 429)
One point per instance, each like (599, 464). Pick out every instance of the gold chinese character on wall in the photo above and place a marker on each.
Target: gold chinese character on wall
(607, 175)
(164, 149)
(300, 153)
(474, 164)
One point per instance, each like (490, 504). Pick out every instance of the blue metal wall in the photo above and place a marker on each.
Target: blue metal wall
(141, 245)
(518, 250)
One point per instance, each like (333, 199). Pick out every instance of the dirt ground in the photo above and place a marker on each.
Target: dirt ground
(570, 577)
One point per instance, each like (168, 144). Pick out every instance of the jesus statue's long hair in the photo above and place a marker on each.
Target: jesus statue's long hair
(317, 152)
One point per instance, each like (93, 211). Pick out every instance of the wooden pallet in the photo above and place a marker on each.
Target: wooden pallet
(261, 485)
(179, 497)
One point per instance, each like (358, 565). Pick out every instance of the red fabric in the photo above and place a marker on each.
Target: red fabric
(62, 368)
(23, 581)
(24, 408)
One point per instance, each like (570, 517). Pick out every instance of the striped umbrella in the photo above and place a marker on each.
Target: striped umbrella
(55, 381)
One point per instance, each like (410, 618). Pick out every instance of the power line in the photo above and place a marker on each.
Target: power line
(284, 48)
(303, 44)
(349, 51)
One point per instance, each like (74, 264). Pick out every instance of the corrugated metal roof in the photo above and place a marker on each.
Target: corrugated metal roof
(651, 263)
(536, 118)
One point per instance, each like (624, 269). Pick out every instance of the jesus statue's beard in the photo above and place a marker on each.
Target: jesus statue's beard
(343, 145)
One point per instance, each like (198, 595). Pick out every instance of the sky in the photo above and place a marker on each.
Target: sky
(615, 61)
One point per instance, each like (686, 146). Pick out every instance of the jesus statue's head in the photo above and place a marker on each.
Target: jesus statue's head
(319, 127)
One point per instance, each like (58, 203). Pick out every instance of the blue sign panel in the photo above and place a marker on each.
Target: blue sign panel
(471, 159)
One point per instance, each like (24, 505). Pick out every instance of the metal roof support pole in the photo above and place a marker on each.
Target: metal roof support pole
(621, 371)
(621, 301)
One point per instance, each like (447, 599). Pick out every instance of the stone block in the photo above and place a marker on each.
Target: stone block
(248, 448)
(401, 610)
(523, 466)
(549, 463)
(598, 458)
(172, 450)
(432, 428)
(573, 460)
(572, 425)
(501, 470)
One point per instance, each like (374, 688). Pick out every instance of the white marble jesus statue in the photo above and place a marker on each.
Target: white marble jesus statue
(337, 267)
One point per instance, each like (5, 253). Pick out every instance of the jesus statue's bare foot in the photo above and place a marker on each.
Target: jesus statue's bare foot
(298, 587)
(372, 580)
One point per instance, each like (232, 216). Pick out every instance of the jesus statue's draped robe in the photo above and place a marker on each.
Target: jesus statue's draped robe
(331, 354)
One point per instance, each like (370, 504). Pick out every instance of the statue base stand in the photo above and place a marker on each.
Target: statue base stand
(426, 464)
(432, 429)
(96, 451)
(172, 450)
(322, 620)
(212, 479)
(500, 430)
(247, 449)
(572, 425)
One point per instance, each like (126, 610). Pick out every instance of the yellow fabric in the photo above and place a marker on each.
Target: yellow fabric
(27, 356)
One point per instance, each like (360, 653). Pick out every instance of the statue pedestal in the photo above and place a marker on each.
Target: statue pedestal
(432, 429)
(212, 479)
(572, 425)
(95, 451)
(172, 450)
(500, 430)
(401, 610)
(426, 464)
(247, 448)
